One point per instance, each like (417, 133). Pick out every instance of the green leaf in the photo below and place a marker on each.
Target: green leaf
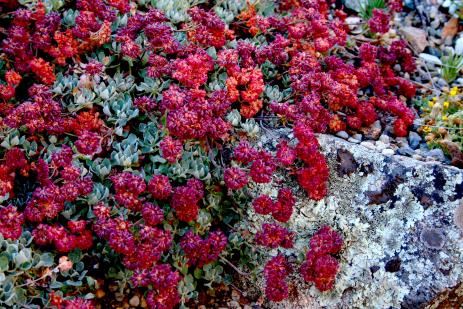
(4, 262)
(198, 273)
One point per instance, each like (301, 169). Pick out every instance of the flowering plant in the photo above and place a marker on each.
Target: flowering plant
(128, 134)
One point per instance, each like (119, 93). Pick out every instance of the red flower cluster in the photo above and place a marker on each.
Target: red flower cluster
(152, 214)
(14, 161)
(160, 187)
(193, 115)
(141, 245)
(76, 236)
(274, 236)
(192, 71)
(12, 222)
(43, 114)
(320, 267)
(185, 200)
(208, 28)
(58, 302)
(251, 79)
(379, 22)
(164, 283)
(286, 155)
(235, 178)
(244, 153)
(33, 32)
(314, 177)
(203, 251)
(275, 272)
(263, 167)
(12, 79)
(281, 210)
(48, 201)
(171, 149)
(128, 187)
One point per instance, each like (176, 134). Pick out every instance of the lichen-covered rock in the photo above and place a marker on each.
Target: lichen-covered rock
(381, 207)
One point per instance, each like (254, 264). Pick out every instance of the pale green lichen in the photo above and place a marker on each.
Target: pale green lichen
(374, 234)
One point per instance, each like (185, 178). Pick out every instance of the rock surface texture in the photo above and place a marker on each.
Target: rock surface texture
(396, 214)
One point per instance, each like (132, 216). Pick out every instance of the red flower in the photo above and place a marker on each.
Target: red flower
(263, 205)
(43, 70)
(235, 178)
(152, 214)
(11, 222)
(160, 187)
(286, 155)
(128, 187)
(171, 149)
(89, 143)
(185, 200)
(326, 240)
(379, 22)
(273, 236)
(192, 71)
(244, 153)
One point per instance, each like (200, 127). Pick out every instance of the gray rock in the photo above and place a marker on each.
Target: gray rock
(380, 145)
(416, 37)
(430, 59)
(414, 139)
(353, 140)
(433, 51)
(423, 148)
(441, 82)
(368, 144)
(374, 131)
(459, 46)
(401, 141)
(432, 238)
(385, 139)
(342, 134)
(411, 196)
(134, 301)
(388, 152)
(437, 154)
(405, 151)
(357, 136)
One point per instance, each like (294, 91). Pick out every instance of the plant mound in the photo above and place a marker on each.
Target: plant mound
(128, 136)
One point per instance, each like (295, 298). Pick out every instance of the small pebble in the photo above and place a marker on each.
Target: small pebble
(357, 136)
(235, 295)
(342, 134)
(405, 151)
(385, 139)
(414, 139)
(234, 304)
(353, 140)
(119, 296)
(368, 145)
(437, 154)
(401, 141)
(417, 157)
(441, 82)
(388, 152)
(134, 301)
(380, 145)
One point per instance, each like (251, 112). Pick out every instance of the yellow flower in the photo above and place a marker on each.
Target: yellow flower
(426, 129)
(431, 103)
(446, 104)
(453, 91)
(444, 118)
